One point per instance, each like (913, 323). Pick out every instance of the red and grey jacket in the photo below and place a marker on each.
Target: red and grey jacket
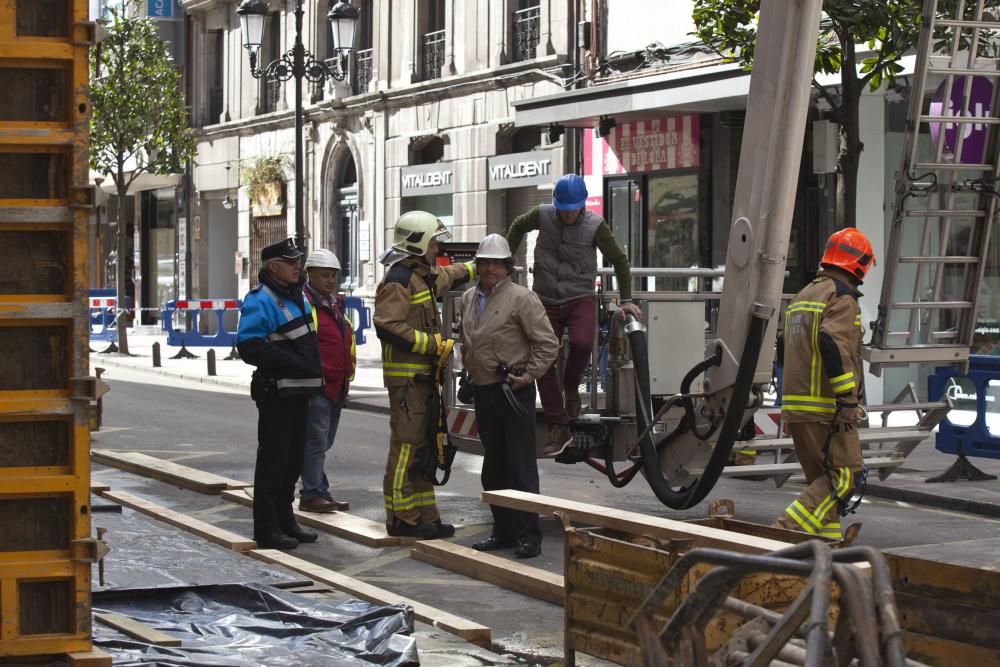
(335, 338)
(822, 341)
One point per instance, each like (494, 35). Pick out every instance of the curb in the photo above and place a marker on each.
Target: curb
(991, 510)
(351, 404)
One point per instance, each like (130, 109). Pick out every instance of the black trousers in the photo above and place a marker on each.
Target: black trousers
(509, 461)
(281, 436)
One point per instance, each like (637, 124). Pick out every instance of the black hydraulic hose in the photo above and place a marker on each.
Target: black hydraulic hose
(698, 369)
(687, 497)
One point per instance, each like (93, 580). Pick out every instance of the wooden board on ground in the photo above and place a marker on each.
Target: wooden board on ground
(136, 629)
(98, 487)
(167, 471)
(464, 628)
(92, 658)
(531, 581)
(182, 521)
(631, 522)
(355, 528)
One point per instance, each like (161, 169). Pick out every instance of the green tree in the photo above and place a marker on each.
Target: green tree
(888, 28)
(139, 123)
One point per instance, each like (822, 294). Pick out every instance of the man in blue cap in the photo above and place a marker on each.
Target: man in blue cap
(565, 268)
(276, 334)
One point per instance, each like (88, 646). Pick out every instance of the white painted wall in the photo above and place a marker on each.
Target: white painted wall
(633, 25)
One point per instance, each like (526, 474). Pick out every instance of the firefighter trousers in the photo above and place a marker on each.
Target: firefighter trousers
(816, 511)
(408, 497)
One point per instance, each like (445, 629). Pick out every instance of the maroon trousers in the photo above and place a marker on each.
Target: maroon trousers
(578, 317)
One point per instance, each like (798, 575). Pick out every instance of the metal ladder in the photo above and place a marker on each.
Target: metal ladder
(946, 192)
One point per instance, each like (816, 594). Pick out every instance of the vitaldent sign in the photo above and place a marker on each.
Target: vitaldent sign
(426, 179)
(520, 169)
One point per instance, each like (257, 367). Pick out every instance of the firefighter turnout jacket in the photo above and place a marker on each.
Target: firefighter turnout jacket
(406, 316)
(822, 349)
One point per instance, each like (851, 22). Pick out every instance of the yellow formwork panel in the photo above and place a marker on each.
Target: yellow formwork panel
(45, 582)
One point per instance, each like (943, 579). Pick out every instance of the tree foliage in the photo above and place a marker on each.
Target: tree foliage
(139, 124)
(885, 31)
(139, 119)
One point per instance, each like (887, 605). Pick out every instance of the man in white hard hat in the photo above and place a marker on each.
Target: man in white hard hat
(407, 323)
(507, 344)
(335, 338)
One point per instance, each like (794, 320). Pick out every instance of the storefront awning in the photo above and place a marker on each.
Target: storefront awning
(720, 87)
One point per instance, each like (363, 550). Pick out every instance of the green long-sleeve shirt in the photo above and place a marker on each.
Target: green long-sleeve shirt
(604, 239)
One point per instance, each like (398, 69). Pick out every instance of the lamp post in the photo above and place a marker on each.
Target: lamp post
(298, 64)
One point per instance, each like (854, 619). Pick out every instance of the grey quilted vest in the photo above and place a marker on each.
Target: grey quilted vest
(565, 256)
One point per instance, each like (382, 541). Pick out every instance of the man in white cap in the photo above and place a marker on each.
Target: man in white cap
(335, 337)
(507, 344)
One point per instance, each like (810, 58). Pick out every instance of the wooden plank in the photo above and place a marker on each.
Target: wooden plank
(182, 521)
(99, 487)
(136, 629)
(167, 471)
(464, 628)
(92, 658)
(631, 522)
(795, 468)
(355, 528)
(512, 575)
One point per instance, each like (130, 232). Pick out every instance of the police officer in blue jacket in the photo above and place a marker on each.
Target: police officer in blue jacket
(276, 335)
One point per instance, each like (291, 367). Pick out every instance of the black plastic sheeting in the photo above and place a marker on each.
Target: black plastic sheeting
(230, 625)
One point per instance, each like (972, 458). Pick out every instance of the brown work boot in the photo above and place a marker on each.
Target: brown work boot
(337, 504)
(573, 404)
(319, 504)
(559, 437)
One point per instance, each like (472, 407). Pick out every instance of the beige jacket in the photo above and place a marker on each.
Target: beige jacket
(512, 329)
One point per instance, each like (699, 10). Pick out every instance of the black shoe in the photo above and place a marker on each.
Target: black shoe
(276, 540)
(527, 549)
(493, 543)
(301, 534)
(444, 529)
(421, 531)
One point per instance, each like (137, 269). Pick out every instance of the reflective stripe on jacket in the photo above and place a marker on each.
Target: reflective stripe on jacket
(406, 315)
(822, 341)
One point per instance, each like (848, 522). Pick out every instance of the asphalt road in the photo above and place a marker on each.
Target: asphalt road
(216, 431)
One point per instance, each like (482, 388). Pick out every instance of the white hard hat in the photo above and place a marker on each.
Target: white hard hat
(322, 259)
(493, 246)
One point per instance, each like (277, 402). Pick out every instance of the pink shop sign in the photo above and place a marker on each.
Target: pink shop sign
(652, 145)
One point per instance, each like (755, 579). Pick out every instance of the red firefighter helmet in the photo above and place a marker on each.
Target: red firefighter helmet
(851, 251)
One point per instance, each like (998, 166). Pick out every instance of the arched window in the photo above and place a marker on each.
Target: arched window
(343, 236)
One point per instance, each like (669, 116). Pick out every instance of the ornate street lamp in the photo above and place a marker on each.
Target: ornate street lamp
(298, 64)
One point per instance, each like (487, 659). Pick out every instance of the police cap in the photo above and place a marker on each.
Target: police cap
(285, 249)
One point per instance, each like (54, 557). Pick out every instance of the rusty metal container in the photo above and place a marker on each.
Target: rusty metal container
(609, 574)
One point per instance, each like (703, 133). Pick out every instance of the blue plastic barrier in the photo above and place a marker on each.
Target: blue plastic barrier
(360, 316)
(103, 303)
(969, 392)
(194, 338)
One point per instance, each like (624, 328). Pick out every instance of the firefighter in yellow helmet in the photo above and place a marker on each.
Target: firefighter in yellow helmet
(406, 322)
(821, 387)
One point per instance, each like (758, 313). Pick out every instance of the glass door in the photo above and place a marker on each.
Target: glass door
(625, 220)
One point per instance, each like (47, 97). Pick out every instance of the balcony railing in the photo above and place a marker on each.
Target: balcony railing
(433, 54)
(362, 70)
(526, 28)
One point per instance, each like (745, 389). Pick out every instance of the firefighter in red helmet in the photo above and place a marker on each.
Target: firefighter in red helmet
(822, 384)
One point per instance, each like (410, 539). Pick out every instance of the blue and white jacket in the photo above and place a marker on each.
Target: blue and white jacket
(276, 334)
